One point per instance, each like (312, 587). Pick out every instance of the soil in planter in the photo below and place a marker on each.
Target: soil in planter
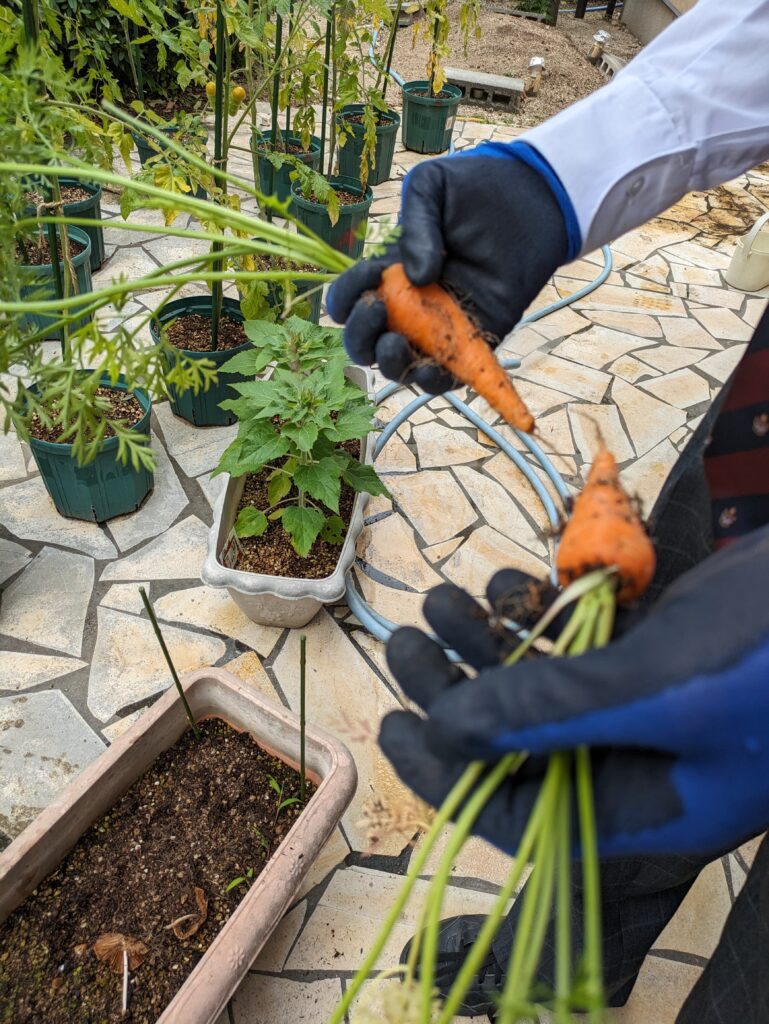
(345, 198)
(204, 814)
(272, 554)
(442, 95)
(281, 263)
(381, 120)
(69, 194)
(38, 253)
(123, 407)
(270, 147)
(192, 331)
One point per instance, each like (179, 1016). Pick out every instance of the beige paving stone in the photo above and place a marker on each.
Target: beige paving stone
(698, 922)
(647, 419)
(249, 668)
(555, 434)
(339, 933)
(640, 324)
(126, 597)
(749, 850)
(754, 310)
(177, 555)
(212, 487)
(196, 449)
(12, 558)
(683, 388)
(47, 604)
(440, 446)
(688, 334)
(265, 999)
(453, 419)
(681, 290)
(723, 298)
(164, 505)
(581, 269)
(12, 462)
(214, 610)
(401, 608)
(438, 551)
(668, 358)
(631, 369)
(721, 365)
(484, 553)
(645, 478)
(571, 378)
(396, 457)
(128, 666)
(697, 255)
(434, 503)
(476, 859)
(539, 400)
(328, 860)
(594, 424)
(546, 297)
(389, 546)
(598, 346)
(344, 694)
(658, 994)
(566, 286)
(642, 242)
(496, 506)
(695, 275)
(116, 729)
(655, 269)
(28, 513)
(273, 955)
(560, 323)
(23, 671)
(645, 285)
(622, 299)
(513, 480)
(132, 263)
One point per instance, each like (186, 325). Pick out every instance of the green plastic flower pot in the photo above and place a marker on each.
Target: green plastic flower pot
(428, 120)
(148, 148)
(280, 183)
(347, 235)
(384, 151)
(42, 286)
(202, 409)
(102, 489)
(90, 208)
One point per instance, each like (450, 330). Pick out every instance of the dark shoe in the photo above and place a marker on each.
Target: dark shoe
(456, 936)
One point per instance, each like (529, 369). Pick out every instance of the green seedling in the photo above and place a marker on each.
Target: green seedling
(282, 804)
(241, 880)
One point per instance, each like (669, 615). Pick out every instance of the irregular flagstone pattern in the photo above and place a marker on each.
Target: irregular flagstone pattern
(640, 358)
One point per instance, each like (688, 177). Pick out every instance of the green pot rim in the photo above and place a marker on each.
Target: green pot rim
(392, 125)
(348, 184)
(410, 89)
(78, 235)
(170, 312)
(257, 135)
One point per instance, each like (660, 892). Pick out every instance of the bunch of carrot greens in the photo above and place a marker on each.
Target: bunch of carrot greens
(605, 558)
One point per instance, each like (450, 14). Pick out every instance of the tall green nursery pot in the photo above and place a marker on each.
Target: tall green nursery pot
(347, 235)
(104, 488)
(42, 286)
(384, 151)
(90, 208)
(280, 186)
(428, 121)
(148, 148)
(202, 409)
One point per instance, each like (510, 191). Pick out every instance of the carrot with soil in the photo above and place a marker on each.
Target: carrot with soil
(437, 326)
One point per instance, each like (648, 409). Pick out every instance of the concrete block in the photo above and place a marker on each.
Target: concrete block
(493, 90)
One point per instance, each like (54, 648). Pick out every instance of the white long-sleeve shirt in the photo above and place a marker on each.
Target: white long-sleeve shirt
(689, 112)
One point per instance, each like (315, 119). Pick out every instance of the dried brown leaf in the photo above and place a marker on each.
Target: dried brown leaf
(110, 946)
(196, 921)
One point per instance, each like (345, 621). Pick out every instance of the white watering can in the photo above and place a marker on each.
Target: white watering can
(749, 269)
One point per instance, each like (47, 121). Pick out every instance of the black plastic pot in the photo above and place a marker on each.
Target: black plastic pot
(202, 408)
(347, 234)
(90, 208)
(149, 147)
(350, 153)
(428, 120)
(104, 488)
(280, 185)
(42, 285)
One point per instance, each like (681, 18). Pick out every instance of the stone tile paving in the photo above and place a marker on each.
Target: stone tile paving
(640, 358)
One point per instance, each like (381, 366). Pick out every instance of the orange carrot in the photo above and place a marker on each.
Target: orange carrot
(436, 325)
(605, 530)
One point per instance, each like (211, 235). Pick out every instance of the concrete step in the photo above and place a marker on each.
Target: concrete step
(493, 90)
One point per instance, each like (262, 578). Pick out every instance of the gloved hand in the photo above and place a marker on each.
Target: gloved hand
(676, 712)
(488, 226)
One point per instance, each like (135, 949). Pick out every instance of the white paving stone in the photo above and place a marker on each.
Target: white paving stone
(572, 378)
(683, 388)
(162, 508)
(23, 671)
(45, 743)
(498, 507)
(212, 487)
(196, 449)
(723, 323)
(721, 365)
(208, 608)
(128, 665)
(647, 419)
(13, 465)
(597, 424)
(434, 503)
(722, 298)
(389, 546)
(640, 324)
(265, 999)
(48, 603)
(621, 299)
(631, 369)
(396, 457)
(645, 477)
(126, 597)
(177, 555)
(640, 243)
(668, 358)
(598, 346)
(483, 553)
(440, 446)
(688, 334)
(28, 513)
(112, 732)
(554, 433)
(12, 558)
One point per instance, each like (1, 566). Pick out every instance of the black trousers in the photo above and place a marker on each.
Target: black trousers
(641, 895)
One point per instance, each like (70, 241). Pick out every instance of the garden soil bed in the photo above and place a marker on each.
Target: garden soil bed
(345, 198)
(203, 815)
(272, 554)
(38, 253)
(124, 407)
(192, 332)
(69, 194)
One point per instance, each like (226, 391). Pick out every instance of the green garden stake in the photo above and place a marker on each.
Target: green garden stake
(167, 656)
(302, 679)
(221, 46)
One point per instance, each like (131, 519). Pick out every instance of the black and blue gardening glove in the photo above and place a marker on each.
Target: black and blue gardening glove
(676, 712)
(492, 224)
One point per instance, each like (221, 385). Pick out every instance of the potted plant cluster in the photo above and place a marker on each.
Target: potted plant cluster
(299, 471)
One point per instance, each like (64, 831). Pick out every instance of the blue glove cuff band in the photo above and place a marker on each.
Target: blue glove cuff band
(526, 154)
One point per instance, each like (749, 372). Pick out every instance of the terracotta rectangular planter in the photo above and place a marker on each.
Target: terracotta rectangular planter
(212, 693)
